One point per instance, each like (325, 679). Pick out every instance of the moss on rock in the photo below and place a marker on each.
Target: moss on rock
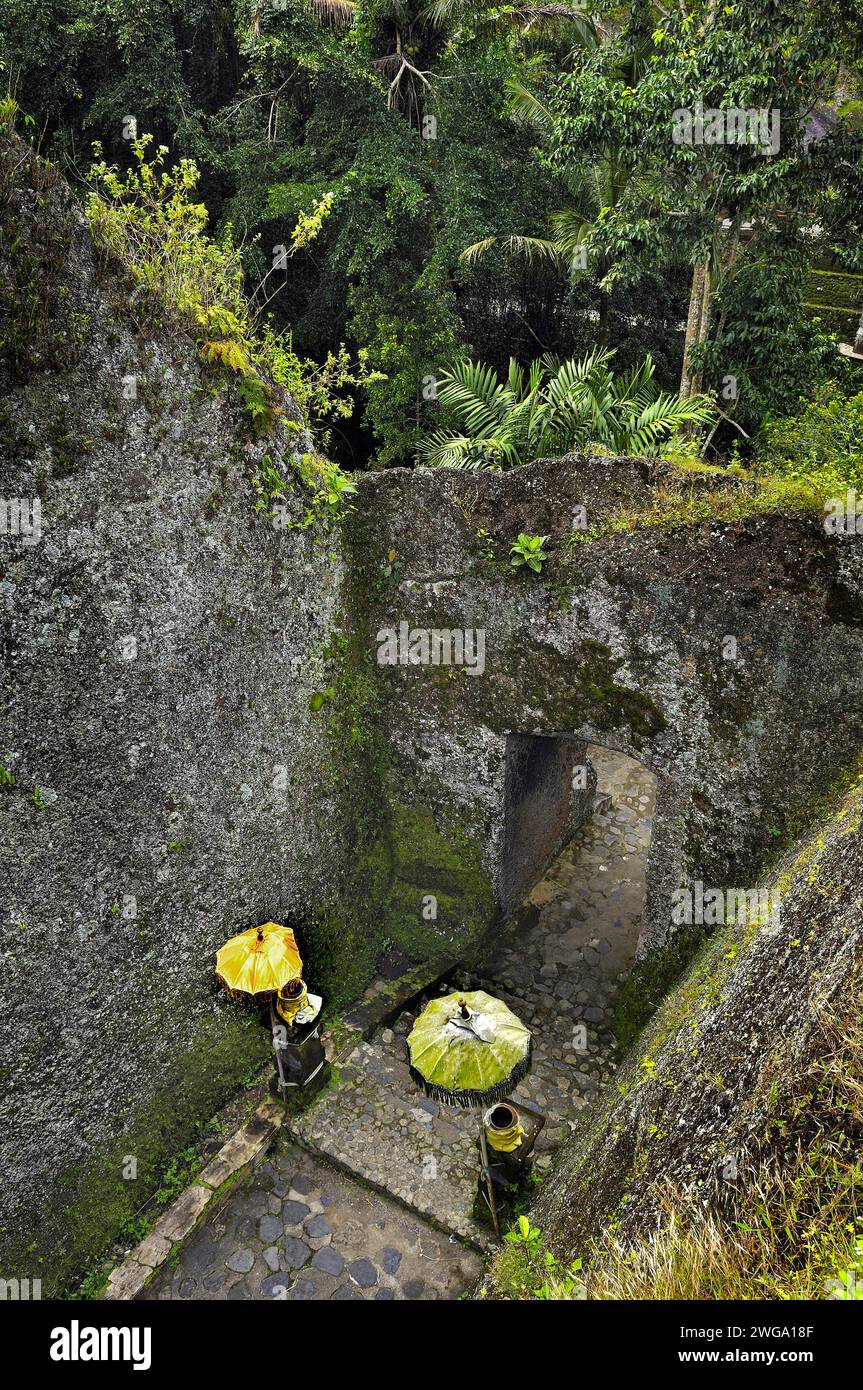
(436, 855)
(96, 1200)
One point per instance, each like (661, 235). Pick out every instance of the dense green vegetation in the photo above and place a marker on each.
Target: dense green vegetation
(401, 186)
(552, 409)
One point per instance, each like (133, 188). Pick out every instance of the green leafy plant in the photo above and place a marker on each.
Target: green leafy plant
(180, 1173)
(486, 545)
(146, 218)
(847, 1283)
(552, 408)
(826, 434)
(7, 778)
(526, 1236)
(269, 484)
(331, 487)
(93, 1283)
(528, 550)
(8, 112)
(134, 1229)
(393, 566)
(560, 1282)
(524, 1271)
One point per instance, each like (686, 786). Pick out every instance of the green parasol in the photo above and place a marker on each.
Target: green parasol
(469, 1050)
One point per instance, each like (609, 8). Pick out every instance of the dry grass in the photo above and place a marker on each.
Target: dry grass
(792, 1227)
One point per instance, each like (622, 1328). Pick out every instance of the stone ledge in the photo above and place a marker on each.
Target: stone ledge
(127, 1280)
(474, 1236)
(245, 1145)
(384, 1001)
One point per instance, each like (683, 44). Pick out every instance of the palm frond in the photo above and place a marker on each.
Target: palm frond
(475, 253)
(542, 15)
(525, 105)
(553, 408)
(534, 248)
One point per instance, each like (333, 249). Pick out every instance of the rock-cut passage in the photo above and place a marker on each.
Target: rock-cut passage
(301, 1230)
(559, 977)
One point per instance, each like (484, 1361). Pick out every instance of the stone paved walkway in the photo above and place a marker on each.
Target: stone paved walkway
(301, 1231)
(558, 978)
(305, 1229)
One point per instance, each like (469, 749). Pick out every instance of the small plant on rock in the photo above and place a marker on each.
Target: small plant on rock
(528, 550)
(526, 1236)
(560, 1281)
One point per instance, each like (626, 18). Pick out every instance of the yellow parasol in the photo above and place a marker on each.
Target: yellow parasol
(259, 960)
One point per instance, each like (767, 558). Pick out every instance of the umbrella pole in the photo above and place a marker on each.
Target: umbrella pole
(279, 1067)
(487, 1175)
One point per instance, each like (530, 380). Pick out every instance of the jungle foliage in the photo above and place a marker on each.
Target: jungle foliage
(553, 408)
(500, 181)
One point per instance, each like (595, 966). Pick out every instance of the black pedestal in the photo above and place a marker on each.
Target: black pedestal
(509, 1171)
(299, 1054)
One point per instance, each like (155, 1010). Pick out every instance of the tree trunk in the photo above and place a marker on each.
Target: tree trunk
(603, 318)
(697, 325)
(858, 341)
(696, 379)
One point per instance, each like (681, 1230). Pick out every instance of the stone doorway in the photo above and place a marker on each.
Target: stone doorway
(558, 970)
(591, 897)
(548, 793)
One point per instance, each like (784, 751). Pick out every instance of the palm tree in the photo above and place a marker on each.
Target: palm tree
(595, 185)
(415, 32)
(593, 189)
(552, 408)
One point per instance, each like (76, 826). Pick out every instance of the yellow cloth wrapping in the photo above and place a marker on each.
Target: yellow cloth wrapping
(505, 1140)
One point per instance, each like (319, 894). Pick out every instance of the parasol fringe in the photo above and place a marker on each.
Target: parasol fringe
(473, 1100)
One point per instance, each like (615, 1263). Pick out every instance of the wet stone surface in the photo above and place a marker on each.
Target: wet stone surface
(300, 1230)
(559, 978)
(340, 1242)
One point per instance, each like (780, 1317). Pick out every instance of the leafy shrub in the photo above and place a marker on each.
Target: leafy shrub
(180, 1174)
(826, 437)
(328, 487)
(766, 340)
(145, 217)
(553, 408)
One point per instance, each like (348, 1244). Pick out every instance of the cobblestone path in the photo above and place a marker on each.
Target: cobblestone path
(299, 1231)
(374, 1123)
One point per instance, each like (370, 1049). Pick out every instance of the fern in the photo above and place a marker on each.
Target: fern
(553, 408)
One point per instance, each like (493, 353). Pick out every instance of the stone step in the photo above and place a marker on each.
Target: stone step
(439, 1207)
(384, 1000)
(397, 1153)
